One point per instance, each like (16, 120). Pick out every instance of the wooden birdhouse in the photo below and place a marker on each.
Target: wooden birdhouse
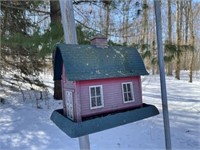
(98, 80)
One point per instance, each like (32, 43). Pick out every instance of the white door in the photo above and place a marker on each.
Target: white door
(69, 104)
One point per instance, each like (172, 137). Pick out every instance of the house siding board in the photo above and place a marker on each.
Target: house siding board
(77, 100)
(112, 94)
(63, 82)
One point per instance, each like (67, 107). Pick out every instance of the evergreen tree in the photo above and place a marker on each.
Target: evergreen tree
(20, 43)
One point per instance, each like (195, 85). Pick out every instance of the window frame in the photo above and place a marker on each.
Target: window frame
(131, 90)
(101, 96)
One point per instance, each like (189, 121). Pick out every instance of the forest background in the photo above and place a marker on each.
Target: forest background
(30, 31)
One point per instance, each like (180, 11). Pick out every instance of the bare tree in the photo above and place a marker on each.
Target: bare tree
(191, 40)
(0, 64)
(107, 4)
(144, 25)
(178, 40)
(56, 21)
(170, 64)
(186, 14)
(126, 9)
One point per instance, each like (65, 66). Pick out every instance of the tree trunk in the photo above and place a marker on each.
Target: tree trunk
(127, 7)
(154, 64)
(56, 20)
(185, 64)
(107, 19)
(101, 19)
(178, 40)
(191, 41)
(144, 25)
(55, 12)
(170, 64)
(154, 51)
(0, 64)
(123, 22)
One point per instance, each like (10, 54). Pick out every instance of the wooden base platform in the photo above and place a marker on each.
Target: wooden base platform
(77, 129)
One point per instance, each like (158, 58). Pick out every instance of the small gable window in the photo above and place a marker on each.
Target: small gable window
(96, 96)
(127, 90)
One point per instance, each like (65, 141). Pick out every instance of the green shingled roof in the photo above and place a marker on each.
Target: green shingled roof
(87, 62)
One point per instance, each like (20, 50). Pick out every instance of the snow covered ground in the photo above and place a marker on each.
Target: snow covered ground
(24, 127)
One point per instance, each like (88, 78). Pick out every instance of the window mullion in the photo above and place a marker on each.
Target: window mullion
(96, 95)
(96, 100)
(128, 96)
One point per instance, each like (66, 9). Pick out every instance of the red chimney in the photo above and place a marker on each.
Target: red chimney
(99, 41)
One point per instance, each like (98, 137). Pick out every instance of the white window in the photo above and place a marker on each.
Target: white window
(96, 96)
(127, 91)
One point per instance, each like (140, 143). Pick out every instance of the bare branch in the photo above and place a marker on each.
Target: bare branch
(20, 8)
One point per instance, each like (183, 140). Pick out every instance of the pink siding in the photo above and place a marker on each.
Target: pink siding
(112, 93)
(63, 81)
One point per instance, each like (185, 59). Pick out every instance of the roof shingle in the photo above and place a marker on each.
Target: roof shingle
(87, 62)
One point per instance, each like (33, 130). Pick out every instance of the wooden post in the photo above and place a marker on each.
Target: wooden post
(69, 28)
(162, 75)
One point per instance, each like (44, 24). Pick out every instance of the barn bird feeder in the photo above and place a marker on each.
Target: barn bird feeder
(101, 87)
